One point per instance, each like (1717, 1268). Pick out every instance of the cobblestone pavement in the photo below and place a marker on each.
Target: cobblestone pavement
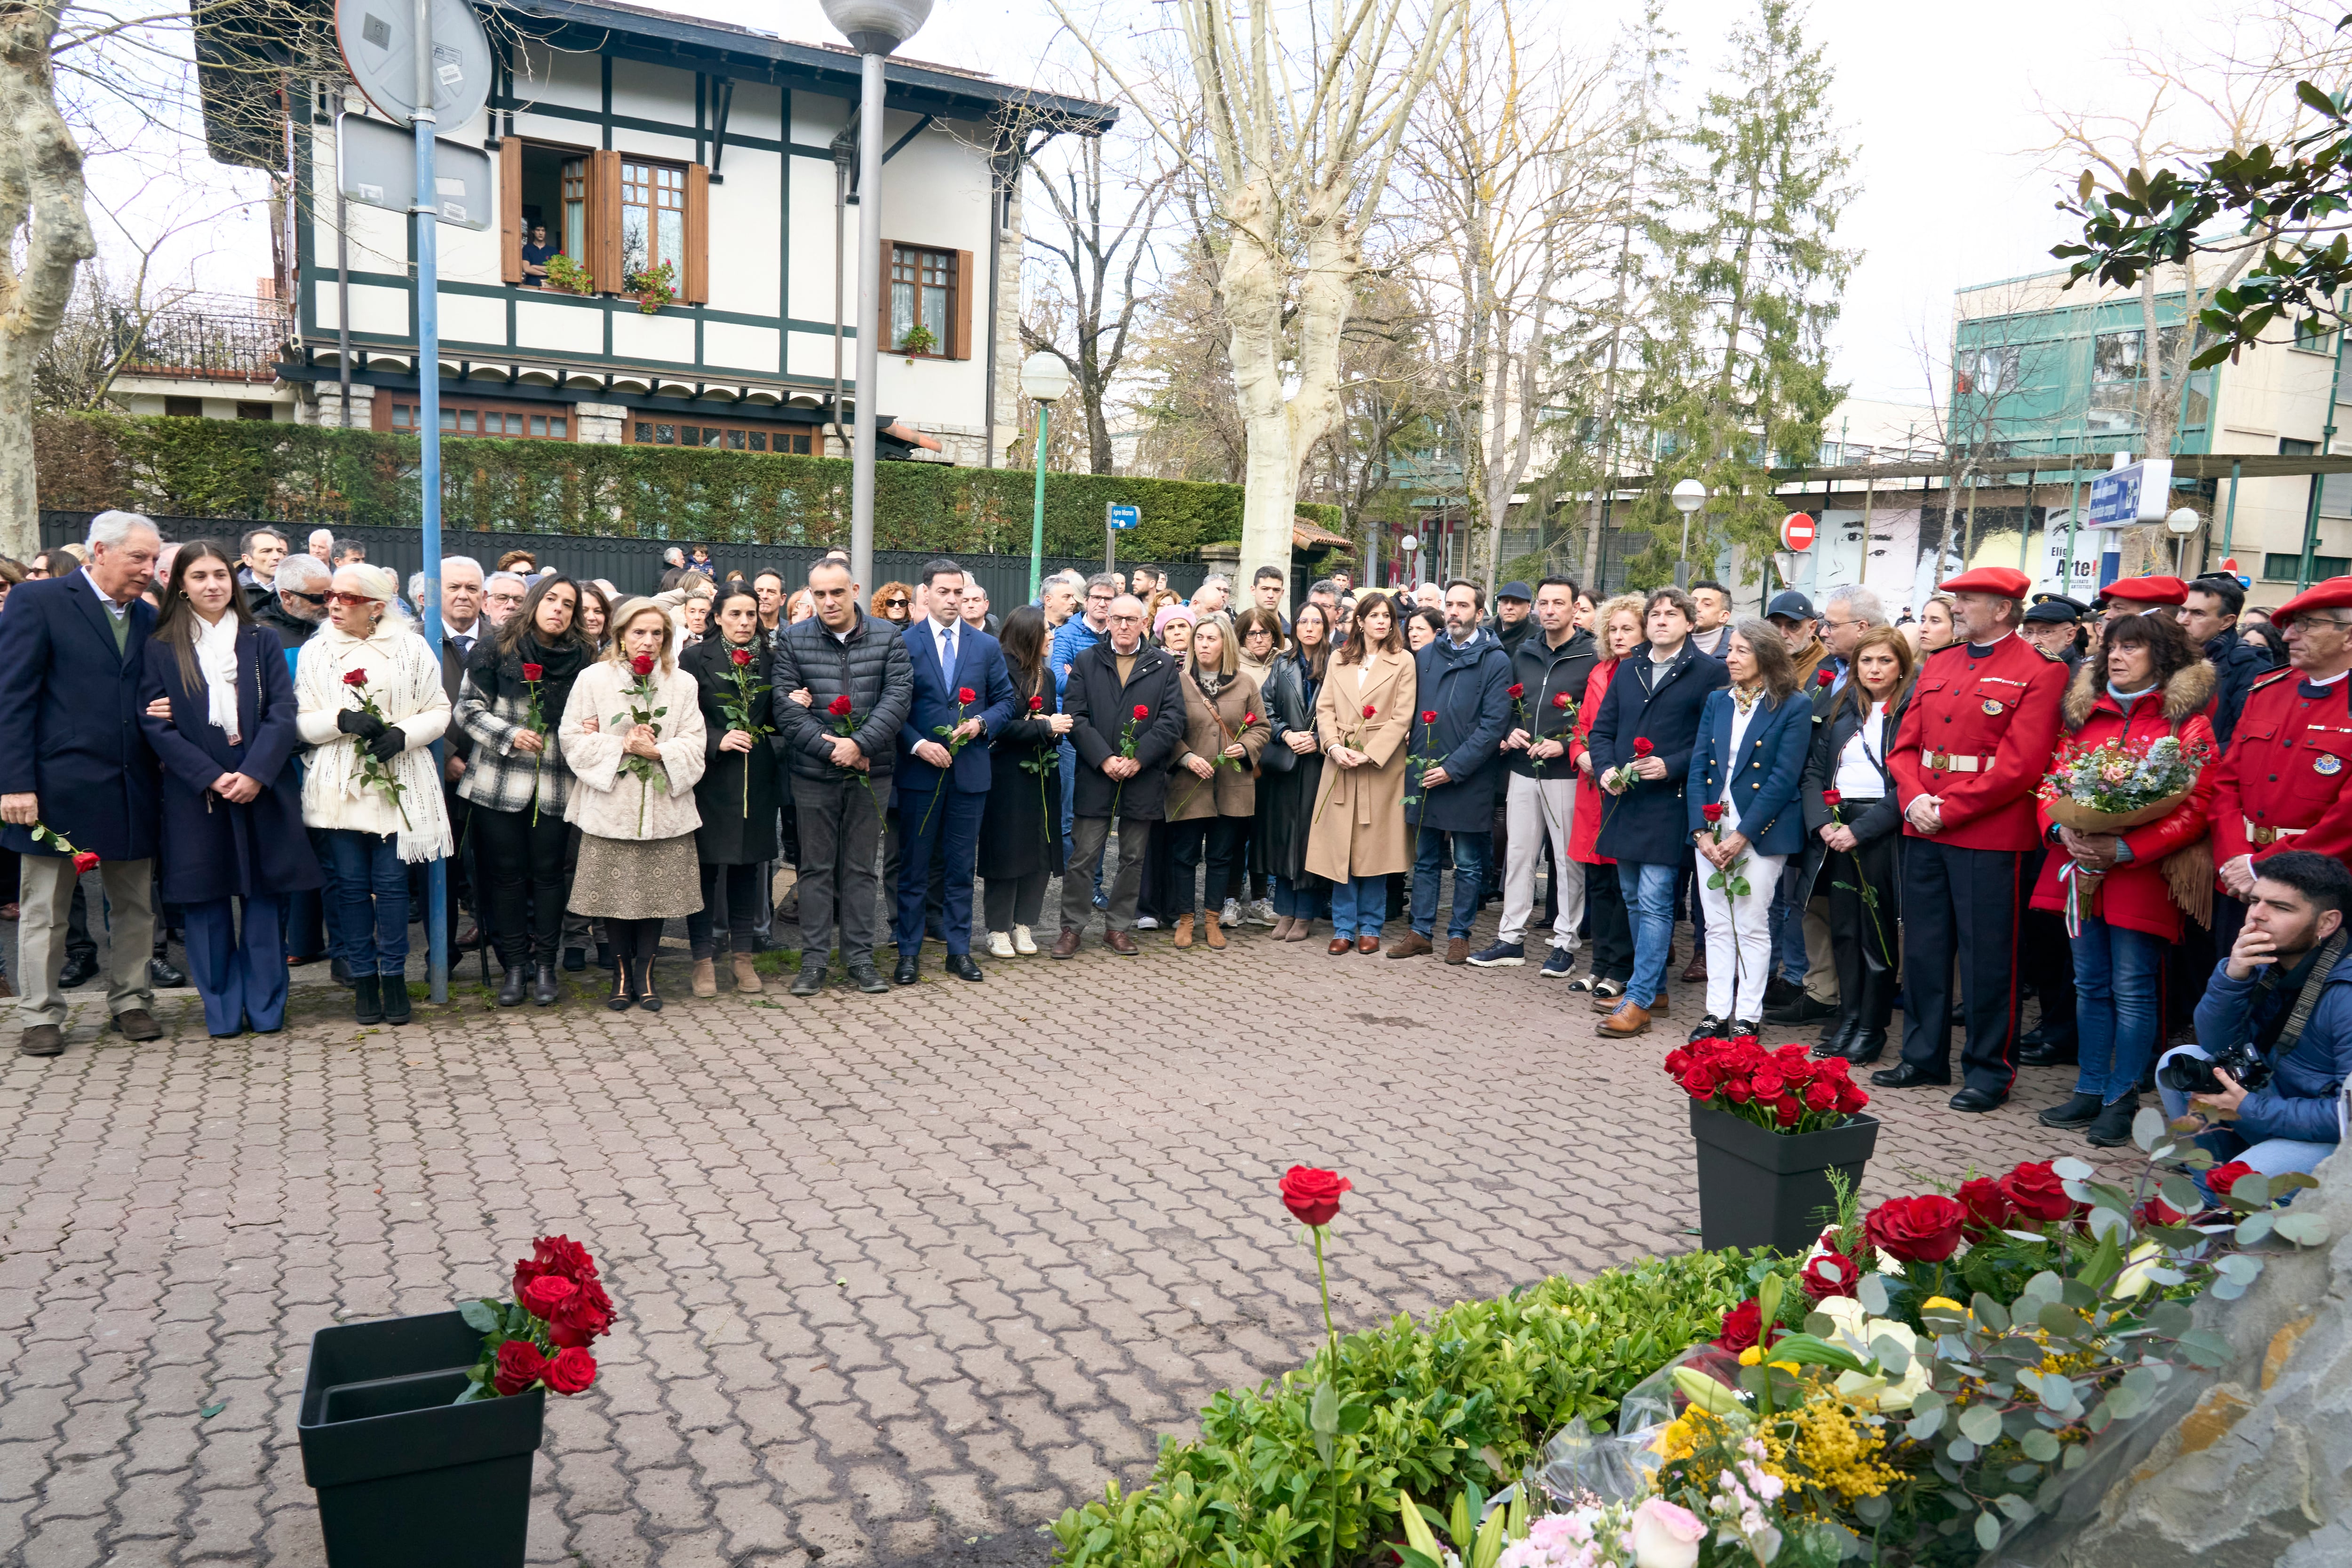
(900, 1277)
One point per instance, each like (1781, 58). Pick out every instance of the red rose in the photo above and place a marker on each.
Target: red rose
(544, 1296)
(1789, 1111)
(1560, 700)
(964, 694)
(741, 657)
(1516, 690)
(1247, 719)
(1917, 1230)
(1821, 1095)
(586, 1314)
(642, 664)
(559, 1255)
(2038, 1192)
(2156, 1211)
(2222, 1178)
(1831, 797)
(839, 706)
(356, 678)
(519, 1366)
(1825, 678)
(1036, 704)
(1641, 746)
(1141, 712)
(1313, 1194)
(571, 1371)
(1712, 811)
(1830, 1273)
(1988, 1207)
(85, 861)
(533, 672)
(1851, 1098)
(1429, 715)
(1368, 709)
(1743, 1324)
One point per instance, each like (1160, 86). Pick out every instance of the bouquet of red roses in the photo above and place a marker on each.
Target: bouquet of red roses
(541, 1337)
(1782, 1090)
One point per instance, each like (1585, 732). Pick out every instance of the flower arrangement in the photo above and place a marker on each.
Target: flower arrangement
(2121, 784)
(741, 707)
(539, 1337)
(1783, 1091)
(564, 273)
(654, 286)
(371, 771)
(641, 697)
(83, 859)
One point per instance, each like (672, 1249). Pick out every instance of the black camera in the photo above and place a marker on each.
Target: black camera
(2195, 1075)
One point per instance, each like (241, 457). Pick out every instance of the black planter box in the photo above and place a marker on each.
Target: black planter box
(403, 1476)
(1758, 1188)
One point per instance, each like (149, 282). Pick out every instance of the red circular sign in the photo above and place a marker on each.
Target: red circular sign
(1798, 531)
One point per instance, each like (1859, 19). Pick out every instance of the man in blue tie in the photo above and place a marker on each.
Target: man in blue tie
(962, 694)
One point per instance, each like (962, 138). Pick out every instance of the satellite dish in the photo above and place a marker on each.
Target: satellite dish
(378, 40)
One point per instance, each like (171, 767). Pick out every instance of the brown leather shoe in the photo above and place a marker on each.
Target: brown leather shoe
(1340, 944)
(137, 1023)
(1458, 950)
(1183, 929)
(1412, 944)
(1119, 942)
(1629, 1019)
(41, 1040)
(1695, 971)
(1065, 945)
(1368, 944)
(1210, 931)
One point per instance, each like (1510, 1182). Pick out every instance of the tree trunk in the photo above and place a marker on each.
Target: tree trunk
(1282, 432)
(42, 217)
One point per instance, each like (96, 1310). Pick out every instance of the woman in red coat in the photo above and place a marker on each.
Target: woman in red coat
(1617, 627)
(2146, 681)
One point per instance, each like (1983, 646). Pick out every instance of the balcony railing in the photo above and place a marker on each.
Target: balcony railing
(211, 339)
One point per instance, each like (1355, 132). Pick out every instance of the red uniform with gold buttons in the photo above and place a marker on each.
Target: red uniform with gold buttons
(1978, 735)
(2284, 784)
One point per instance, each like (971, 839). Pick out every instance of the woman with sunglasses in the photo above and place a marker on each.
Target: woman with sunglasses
(370, 702)
(895, 603)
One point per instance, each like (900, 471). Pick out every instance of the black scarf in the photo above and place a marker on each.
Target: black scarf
(494, 672)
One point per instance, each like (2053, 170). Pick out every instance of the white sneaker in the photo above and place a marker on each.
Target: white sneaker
(1261, 913)
(1023, 942)
(1001, 945)
(1231, 915)
(1145, 922)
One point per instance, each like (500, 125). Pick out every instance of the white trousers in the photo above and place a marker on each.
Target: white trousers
(1534, 809)
(1740, 937)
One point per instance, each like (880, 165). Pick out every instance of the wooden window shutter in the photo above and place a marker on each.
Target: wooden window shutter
(959, 309)
(694, 288)
(510, 210)
(881, 324)
(604, 220)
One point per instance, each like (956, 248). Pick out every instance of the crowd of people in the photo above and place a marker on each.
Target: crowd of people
(1849, 812)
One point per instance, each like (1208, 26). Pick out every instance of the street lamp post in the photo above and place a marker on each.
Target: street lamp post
(874, 28)
(1043, 379)
(1689, 496)
(1409, 544)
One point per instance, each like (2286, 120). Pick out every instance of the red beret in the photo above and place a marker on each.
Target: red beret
(2005, 581)
(2149, 590)
(2334, 593)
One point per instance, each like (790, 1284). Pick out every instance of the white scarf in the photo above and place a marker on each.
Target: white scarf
(402, 678)
(216, 649)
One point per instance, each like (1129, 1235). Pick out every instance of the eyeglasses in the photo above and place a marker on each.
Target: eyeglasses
(340, 597)
(306, 598)
(895, 603)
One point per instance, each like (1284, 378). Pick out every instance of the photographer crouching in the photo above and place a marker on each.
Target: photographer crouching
(2274, 1029)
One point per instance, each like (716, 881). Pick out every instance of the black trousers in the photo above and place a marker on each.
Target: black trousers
(1613, 929)
(1219, 837)
(520, 869)
(1009, 901)
(1962, 901)
(738, 888)
(2046, 955)
(1864, 938)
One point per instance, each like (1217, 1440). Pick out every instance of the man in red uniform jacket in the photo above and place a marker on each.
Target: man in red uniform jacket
(2286, 782)
(1972, 747)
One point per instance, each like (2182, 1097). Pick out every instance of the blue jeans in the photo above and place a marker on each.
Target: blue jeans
(1788, 949)
(1471, 853)
(371, 886)
(2270, 1157)
(1358, 905)
(1649, 891)
(2117, 972)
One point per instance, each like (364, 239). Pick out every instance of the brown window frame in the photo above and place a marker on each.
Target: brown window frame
(602, 187)
(957, 344)
(801, 438)
(456, 410)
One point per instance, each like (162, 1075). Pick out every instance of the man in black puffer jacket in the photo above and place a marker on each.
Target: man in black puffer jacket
(1549, 670)
(1129, 716)
(859, 680)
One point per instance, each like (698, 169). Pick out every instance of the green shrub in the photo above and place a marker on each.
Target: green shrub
(1468, 1395)
(309, 474)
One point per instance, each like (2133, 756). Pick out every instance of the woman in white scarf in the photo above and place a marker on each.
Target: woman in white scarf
(372, 786)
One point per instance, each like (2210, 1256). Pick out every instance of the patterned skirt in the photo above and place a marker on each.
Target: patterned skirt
(637, 879)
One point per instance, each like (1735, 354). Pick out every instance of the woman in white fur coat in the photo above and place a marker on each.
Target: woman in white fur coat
(371, 786)
(633, 733)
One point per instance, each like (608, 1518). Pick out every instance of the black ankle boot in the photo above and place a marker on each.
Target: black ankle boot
(367, 999)
(648, 997)
(1872, 1012)
(622, 992)
(543, 993)
(1840, 1033)
(395, 997)
(2112, 1129)
(511, 988)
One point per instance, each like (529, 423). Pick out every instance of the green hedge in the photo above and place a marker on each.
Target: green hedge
(312, 474)
(1429, 1404)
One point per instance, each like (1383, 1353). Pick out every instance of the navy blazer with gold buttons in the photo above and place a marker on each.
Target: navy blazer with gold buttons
(1764, 777)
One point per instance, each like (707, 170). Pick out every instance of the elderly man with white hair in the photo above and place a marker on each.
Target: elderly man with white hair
(503, 595)
(76, 775)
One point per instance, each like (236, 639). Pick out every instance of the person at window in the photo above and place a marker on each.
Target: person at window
(536, 253)
(737, 797)
(520, 784)
(895, 603)
(1356, 832)
(633, 795)
(220, 718)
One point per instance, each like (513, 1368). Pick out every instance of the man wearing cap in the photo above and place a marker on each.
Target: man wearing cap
(1791, 614)
(1971, 749)
(2283, 782)
(1512, 622)
(2210, 618)
(2138, 595)
(2052, 626)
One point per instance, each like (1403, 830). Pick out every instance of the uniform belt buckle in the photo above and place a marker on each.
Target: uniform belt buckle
(1942, 761)
(2265, 835)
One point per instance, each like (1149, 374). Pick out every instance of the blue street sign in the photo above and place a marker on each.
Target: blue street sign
(1124, 517)
(2135, 493)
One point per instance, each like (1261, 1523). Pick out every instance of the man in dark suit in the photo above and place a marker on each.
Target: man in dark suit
(962, 693)
(74, 763)
(1128, 716)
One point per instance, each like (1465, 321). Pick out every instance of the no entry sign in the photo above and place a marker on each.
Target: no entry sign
(1798, 531)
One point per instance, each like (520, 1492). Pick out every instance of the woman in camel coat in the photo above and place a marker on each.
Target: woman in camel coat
(1363, 717)
(1212, 786)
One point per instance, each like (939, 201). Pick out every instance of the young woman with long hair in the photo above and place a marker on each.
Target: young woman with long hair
(632, 794)
(1356, 836)
(1617, 627)
(739, 794)
(1290, 772)
(518, 782)
(220, 718)
(1212, 795)
(1021, 829)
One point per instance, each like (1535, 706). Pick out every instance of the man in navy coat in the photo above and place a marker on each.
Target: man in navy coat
(1457, 736)
(74, 762)
(962, 694)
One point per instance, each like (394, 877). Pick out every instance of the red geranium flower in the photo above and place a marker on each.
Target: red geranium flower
(1641, 746)
(1712, 811)
(741, 657)
(356, 678)
(1831, 797)
(642, 664)
(532, 671)
(964, 694)
(1313, 1194)
(839, 706)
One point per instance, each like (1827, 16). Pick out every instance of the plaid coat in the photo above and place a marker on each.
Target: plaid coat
(498, 777)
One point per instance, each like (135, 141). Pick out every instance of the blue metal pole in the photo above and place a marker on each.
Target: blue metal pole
(427, 211)
(1037, 512)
